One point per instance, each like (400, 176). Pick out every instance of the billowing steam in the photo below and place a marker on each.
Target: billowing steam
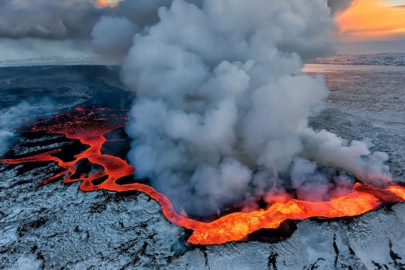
(112, 36)
(222, 106)
(133, 16)
(23, 113)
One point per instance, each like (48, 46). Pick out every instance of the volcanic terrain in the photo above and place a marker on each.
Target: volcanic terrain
(58, 226)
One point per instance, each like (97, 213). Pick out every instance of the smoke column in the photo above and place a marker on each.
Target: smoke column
(222, 106)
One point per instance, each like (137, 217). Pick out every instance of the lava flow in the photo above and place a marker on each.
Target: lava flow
(89, 128)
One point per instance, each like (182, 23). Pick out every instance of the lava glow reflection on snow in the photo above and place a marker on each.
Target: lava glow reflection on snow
(89, 128)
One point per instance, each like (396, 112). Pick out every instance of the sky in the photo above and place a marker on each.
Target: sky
(105, 3)
(64, 28)
(396, 2)
(372, 20)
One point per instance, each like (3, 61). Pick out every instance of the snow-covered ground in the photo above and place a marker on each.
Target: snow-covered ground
(379, 59)
(54, 60)
(59, 227)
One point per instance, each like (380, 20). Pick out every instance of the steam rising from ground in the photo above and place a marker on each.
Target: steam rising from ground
(222, 106)
(24, 112)
(112, 35)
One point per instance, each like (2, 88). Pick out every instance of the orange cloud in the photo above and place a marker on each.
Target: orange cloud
(372, 20)
(106, 3)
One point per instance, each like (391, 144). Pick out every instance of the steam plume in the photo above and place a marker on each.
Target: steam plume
(222, 107)
(14, 116)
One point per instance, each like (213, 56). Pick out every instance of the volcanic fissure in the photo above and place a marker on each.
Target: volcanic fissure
(90, 129)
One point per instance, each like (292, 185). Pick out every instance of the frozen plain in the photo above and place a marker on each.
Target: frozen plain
(59, 227)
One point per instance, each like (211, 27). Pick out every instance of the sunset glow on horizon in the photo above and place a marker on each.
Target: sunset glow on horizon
(372, 20)
(106, 3)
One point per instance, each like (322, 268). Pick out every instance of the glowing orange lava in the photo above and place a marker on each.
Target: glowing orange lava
(90, 129)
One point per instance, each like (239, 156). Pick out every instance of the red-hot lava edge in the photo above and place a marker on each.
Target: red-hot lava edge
(90, 129)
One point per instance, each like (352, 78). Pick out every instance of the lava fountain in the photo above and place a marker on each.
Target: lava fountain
(90, 129)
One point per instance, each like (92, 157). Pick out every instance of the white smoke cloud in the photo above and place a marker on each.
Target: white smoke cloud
(314, 185)
(6, 139)
(355, 157)
(112, 35)
(24, 112)
(222, 107)
(144, 14)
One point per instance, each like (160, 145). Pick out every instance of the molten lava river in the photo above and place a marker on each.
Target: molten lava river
(89, 128)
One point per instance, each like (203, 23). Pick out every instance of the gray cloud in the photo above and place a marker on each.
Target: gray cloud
(46, 19)
(141, 12)
(112, 37)
(338, 6)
